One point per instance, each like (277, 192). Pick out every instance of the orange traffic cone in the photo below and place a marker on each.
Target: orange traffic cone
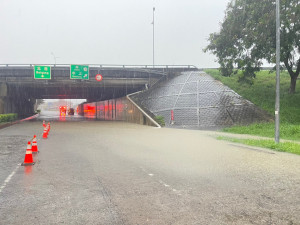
(48, 127)
(28, 156)
(45, 134)
(44, 124)
(34, 147)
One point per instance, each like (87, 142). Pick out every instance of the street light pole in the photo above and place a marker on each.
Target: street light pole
(54, 58)
(277, 100)
(153, 34)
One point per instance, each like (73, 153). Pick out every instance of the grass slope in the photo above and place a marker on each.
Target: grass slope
(281, 147)
(262, 94)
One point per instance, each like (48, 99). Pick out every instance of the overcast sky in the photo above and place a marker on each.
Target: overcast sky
(108, 31)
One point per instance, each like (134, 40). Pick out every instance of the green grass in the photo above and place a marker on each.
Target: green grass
(287, 131)
(281, 147)
(262, 94)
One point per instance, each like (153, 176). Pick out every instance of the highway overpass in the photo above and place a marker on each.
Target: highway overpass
(19, 89)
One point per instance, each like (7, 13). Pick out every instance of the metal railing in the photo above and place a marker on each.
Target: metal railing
(106, 66)
(156, 69)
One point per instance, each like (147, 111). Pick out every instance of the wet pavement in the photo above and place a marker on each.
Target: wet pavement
(97, 172)
(49, 116)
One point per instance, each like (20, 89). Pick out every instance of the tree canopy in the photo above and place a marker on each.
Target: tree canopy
(247, 37)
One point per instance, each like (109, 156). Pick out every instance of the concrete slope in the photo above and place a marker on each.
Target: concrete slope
(199, 101)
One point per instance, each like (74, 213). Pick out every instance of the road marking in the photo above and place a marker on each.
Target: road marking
(163, 183)
(8, 178)
(143, 169)
(253, 149)
(160, 181)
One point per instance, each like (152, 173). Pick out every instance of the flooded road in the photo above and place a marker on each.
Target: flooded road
(98, 172)
(49, 116)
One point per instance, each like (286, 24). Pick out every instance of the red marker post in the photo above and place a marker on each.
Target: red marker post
(172, 117)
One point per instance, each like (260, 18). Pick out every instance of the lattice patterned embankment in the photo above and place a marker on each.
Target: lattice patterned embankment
(199, 101)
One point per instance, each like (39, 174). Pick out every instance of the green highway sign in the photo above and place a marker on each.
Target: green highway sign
(79, 72)
(42, 72)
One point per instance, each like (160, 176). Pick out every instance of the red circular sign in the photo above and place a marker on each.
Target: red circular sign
(99, 77)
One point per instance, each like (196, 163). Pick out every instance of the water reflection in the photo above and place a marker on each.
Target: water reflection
(90, 110)
(62, 118)
(120, 109)
(27, 170)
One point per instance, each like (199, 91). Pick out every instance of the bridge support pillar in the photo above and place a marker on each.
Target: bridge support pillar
(24, 107)
(12, 101)
(7, 105)
(3, 94)
(1, 106)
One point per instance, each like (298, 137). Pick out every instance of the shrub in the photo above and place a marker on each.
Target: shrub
(8, 117)
(160, 120)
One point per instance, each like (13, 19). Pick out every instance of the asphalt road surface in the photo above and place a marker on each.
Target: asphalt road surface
(97, 172)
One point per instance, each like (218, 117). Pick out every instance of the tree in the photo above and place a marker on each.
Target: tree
(248, 37)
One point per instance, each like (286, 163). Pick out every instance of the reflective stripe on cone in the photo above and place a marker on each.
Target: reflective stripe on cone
(34, 147)
(45, 134)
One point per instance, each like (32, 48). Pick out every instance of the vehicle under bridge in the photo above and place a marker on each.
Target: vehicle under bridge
(19, 90)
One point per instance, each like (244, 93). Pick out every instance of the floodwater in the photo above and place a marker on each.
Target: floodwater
(99, 172)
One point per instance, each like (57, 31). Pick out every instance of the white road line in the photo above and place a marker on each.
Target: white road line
(143, 169)
(8, 178)
(161, 182)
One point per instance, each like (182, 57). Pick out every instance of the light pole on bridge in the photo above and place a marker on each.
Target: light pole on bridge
(54, 58)
(153, 34)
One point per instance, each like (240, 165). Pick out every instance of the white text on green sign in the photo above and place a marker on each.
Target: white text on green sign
(42, 72)
(79, 72)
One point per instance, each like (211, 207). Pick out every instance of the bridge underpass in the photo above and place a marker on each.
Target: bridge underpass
(19, 90)
(101, 172)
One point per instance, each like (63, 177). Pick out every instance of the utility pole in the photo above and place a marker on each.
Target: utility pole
(277, 100)
(54, 58)
(153, 34)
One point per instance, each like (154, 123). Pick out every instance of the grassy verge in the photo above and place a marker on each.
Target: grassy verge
(287, 131)
(262, 94)
(281, 147)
